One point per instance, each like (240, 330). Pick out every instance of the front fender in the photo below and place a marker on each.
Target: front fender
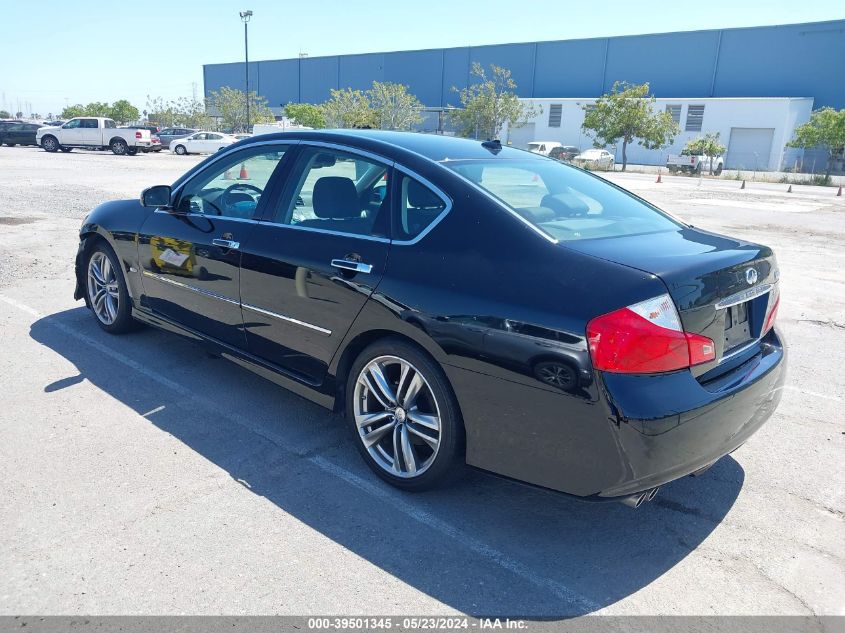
(118, 223)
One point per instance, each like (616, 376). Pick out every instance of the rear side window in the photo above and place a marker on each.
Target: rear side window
(108, 123)
(89, 123)
(563, 202)
(419, 208)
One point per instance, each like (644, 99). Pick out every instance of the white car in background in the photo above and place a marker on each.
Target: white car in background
(543, 148)
(594, 159)
(202, 143)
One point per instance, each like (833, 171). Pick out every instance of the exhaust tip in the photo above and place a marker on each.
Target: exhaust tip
(634, 501)
(653, 493)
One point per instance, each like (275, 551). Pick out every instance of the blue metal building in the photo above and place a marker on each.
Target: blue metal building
(795, 60)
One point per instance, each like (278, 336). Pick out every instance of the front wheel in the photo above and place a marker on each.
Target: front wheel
(50, 144)
(180, 149)
(119, 147)
(106, 291)
(404, 416)
(718, 170)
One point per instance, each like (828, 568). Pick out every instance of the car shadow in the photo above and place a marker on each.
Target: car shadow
(484, 546)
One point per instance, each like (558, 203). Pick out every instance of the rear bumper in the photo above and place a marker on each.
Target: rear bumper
(672, 425)
(622, 435)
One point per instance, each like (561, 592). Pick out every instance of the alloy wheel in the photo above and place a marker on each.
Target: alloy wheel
(103, 288)
(397, 416)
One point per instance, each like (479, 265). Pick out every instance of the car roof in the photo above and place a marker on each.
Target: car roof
(435, 147)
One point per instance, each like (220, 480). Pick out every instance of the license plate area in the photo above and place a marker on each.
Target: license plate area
(737, 326)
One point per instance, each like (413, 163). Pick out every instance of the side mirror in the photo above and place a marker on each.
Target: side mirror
(158, 196)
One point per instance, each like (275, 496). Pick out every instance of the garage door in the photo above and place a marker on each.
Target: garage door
(749, 148)
(521, 136)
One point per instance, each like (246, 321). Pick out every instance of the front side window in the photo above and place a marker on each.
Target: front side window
(232, 186)
(563, 202)
(337, 191)
(73, 124)
(419, 207)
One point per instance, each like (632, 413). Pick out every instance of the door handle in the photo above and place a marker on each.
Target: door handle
(230, 244)
(357, 267)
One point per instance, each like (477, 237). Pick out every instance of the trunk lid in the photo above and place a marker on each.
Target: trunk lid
(721, 286)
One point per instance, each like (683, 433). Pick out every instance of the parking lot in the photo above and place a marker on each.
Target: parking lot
(141, 475)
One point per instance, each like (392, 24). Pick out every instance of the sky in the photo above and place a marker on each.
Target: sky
(76, 51)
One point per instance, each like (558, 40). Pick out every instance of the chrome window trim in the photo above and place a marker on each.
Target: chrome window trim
(388, 162)
(744, 295)
(311, 229)
(437, 191)
(287, 319)
(206, 215)
(179, 284)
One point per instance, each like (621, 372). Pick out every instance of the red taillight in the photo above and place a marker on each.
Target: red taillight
(138, 135)
(770, 320)
(645, 338)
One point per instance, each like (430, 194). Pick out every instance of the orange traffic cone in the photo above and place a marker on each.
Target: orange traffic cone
(658, 178)
(243, 175)
(789, 190)
(743, 185)
(839, 193)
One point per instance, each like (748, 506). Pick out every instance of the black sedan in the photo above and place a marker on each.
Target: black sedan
(18, 133)
(460, 302)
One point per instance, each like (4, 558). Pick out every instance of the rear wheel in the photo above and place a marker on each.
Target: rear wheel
(118, 147)
(106, 291)
(50, 144)
(181, 150)
(404, 416)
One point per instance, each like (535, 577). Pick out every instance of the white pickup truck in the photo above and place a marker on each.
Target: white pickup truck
(93, 133)
(695, 164)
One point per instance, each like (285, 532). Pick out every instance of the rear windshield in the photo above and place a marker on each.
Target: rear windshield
(563, 202)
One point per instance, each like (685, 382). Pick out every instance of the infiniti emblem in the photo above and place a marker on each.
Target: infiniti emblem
(751, 276)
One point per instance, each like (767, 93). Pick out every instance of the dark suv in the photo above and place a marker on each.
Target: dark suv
(564, 153)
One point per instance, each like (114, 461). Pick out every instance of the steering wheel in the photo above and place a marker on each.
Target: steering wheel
(225, 196)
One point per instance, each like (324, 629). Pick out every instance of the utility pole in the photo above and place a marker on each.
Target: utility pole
(245, 16)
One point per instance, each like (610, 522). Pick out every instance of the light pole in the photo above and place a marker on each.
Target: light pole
(245, 16)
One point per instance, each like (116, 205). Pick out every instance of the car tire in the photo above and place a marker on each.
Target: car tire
(11, 144)
(66, 149)
(106, 293)
(119, 147)
(181, 150)
(132, 151)
(414, 449)
(558, 374)
(50, 144)
(718, 170)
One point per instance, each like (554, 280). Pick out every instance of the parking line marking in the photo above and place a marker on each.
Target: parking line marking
(382, 493)
(815, 394)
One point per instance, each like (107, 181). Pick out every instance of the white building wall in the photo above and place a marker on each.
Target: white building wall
(780, 114)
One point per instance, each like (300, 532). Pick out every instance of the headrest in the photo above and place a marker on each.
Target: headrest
(421, 197)
(565, 204)
(335, 197)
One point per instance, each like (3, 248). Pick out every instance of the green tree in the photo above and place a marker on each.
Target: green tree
(73, 111)
(707, 145)
(489, 103)
(349, 108)
(18, 114)
(307, 114)
(192, 113)
(627, 113)
(97, 108)
(231, 108)
(123, 112)
(393, 106)
(826, 130)
(5, 114)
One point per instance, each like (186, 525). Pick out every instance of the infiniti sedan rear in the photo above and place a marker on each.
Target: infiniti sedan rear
(460, 302)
